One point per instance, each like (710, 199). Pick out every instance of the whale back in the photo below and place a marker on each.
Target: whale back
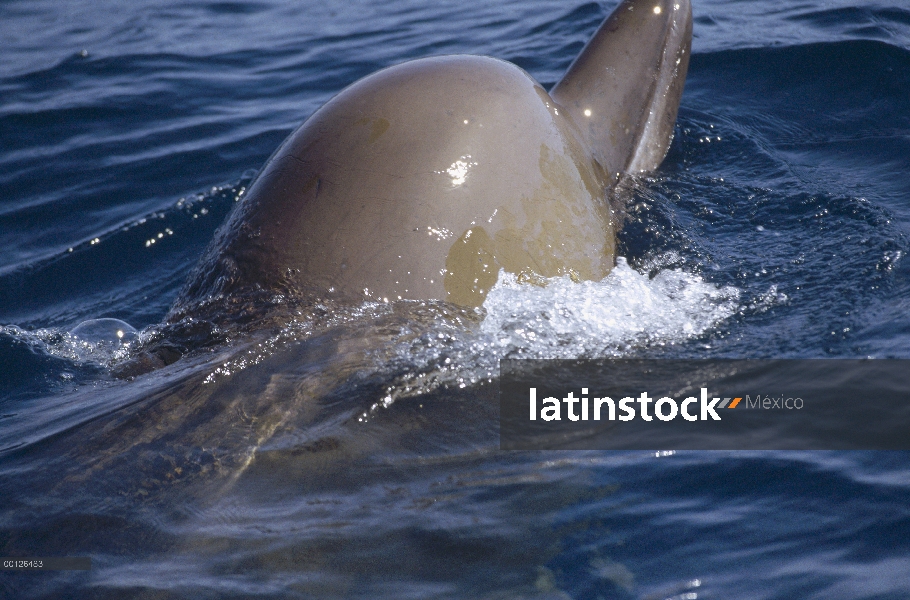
(426, 179)
(420, 181)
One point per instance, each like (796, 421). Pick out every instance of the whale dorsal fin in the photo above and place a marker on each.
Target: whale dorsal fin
(624, 87)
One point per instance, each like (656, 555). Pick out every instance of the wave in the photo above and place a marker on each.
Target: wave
(777, 24)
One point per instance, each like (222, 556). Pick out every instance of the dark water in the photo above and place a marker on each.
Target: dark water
(354, 453)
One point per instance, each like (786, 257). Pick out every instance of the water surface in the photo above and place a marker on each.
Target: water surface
(354, 452)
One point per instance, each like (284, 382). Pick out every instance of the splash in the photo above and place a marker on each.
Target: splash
(561, 319)
(591, 319)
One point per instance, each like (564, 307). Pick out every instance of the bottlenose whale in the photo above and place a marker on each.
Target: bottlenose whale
(423, 180)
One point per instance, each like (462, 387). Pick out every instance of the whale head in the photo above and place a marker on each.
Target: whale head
(425, 180)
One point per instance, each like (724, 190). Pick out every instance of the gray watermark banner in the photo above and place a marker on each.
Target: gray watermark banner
(638, 404)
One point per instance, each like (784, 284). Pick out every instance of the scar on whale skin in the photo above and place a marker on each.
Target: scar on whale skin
(425, 179)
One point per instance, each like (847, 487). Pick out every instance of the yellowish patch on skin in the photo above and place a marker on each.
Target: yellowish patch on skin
(379, 127)
(557, 231)
(471, 268)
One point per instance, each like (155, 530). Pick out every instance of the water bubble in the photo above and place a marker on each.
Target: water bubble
(111, 331)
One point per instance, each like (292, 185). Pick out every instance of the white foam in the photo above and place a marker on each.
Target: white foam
(562, 319)
(626, 309)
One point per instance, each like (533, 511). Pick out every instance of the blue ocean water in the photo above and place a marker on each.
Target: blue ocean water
(355, 453)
